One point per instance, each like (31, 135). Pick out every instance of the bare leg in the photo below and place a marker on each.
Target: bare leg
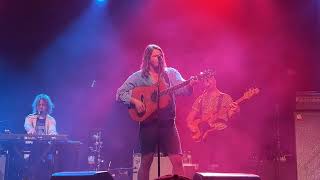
(146, 161)
(177, 167)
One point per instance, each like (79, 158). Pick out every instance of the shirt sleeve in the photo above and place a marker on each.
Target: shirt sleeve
(52, 127)
(124, 93)
(175, 79)
(28, 124)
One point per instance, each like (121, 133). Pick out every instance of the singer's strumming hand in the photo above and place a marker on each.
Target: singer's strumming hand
(140, 107)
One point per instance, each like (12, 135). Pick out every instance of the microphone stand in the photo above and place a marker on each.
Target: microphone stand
(277, 153)
(158, 113)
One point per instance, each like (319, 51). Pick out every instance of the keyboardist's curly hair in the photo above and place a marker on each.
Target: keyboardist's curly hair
(45, 98)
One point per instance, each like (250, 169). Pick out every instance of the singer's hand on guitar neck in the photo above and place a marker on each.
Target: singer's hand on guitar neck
(140, 107)
(193, 81)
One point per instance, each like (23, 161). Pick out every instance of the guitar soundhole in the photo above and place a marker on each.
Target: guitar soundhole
(141, 114)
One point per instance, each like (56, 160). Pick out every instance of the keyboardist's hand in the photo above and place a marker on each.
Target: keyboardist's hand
(31, 131)
(53, 133)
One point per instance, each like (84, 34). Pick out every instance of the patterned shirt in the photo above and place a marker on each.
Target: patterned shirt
(206, 105)
(40, 126)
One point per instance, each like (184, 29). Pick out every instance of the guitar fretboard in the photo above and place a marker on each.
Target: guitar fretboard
(174, 88)
(240, 100)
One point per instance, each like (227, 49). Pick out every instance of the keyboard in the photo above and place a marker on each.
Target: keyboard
(27, 137)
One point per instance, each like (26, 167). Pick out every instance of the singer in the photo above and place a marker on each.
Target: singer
(160, 125)
(40, 122)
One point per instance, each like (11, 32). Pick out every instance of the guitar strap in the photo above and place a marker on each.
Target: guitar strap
(200, 103)
(166, 78)
(219, 103)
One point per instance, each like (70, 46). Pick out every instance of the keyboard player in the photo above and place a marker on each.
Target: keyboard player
(40, 122)
(38, 157)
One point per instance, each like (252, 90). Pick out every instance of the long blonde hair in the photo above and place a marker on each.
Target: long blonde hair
(145, 65)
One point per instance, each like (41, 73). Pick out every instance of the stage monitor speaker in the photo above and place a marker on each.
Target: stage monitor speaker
(224, 176)
(82, 175)
(172, 177)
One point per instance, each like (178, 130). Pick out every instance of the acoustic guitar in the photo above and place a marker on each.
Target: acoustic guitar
(149, 96)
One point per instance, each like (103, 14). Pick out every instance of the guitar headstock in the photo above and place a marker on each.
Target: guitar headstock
(205, 74)
(251, 92)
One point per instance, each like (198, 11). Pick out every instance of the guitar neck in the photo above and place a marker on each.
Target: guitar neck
(240, 100)
(248, 95)
(174, 88)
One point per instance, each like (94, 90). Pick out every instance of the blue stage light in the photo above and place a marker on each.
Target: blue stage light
(101, 2)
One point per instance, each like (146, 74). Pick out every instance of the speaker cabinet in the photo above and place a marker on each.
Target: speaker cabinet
(82, 175)
(224, 176)
(2, 166)
(307, 136)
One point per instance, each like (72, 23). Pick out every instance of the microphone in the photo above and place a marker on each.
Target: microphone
(160, 62)
(41, 114)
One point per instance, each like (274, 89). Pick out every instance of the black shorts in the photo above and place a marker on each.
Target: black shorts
(169, 139)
